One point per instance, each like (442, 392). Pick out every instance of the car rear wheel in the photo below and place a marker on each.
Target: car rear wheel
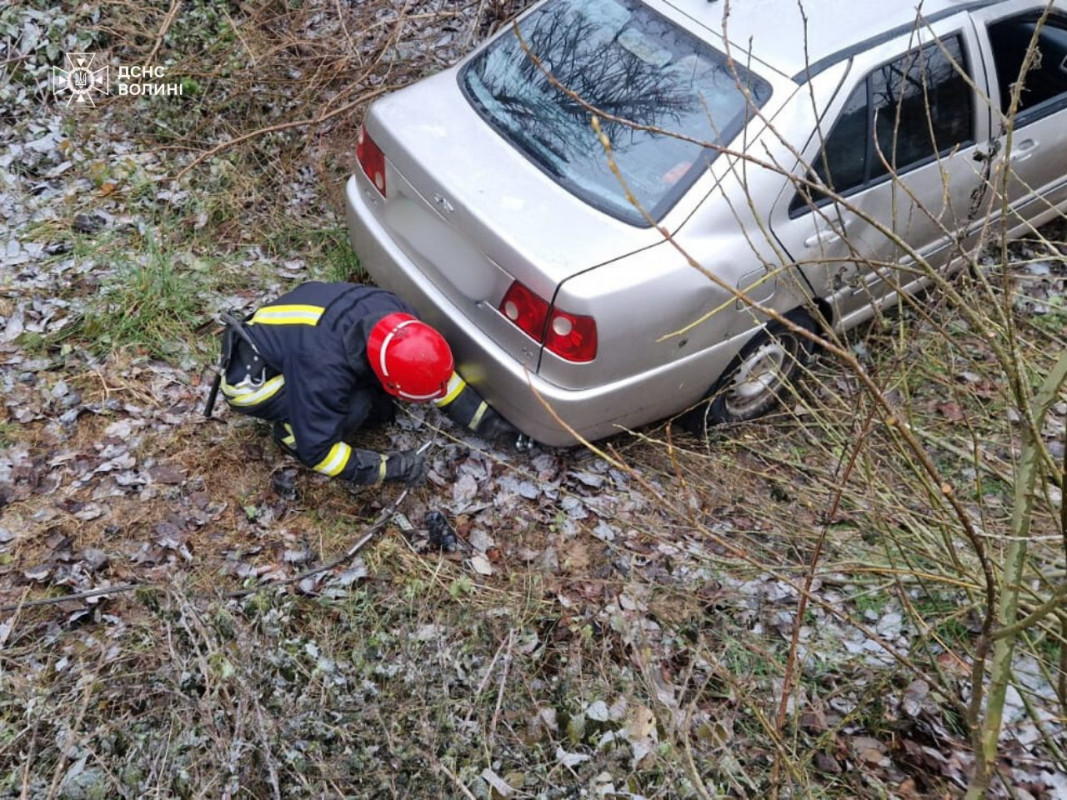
(759, 376)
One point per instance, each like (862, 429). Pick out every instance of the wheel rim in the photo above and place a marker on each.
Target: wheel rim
(759, 377)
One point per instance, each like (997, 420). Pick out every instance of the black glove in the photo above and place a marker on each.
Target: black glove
(494, 426)
(407, 467)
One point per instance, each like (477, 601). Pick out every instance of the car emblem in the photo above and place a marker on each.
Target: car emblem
(442, 203)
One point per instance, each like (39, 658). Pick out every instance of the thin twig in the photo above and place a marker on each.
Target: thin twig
(167, 21)
(809, 578)
(372, 531)
(456, 780)
(474, 25)
(272, 772)
(6, 633)
(344, 28)
(485, 678)
(29, 759)
(61, 762)
(500, 690)
(219, 148)
(51, 601)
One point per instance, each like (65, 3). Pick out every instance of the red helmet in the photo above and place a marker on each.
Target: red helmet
(411, 359)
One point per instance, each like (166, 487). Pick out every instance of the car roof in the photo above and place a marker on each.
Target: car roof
(836, 29)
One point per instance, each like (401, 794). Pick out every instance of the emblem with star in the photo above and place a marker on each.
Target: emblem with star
(80, 79)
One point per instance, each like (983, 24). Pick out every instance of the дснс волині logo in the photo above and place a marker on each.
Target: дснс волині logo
(80, 79)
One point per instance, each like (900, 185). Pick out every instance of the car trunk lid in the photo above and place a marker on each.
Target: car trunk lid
(472, 211)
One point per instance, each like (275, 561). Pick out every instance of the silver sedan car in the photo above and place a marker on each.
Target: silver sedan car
(578, 205)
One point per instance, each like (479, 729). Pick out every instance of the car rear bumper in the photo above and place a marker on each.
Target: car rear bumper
(522, 397)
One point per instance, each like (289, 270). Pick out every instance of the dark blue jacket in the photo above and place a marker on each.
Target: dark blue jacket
(320, 386)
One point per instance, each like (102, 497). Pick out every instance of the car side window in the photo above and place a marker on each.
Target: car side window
(902, 115)
(1044, 86)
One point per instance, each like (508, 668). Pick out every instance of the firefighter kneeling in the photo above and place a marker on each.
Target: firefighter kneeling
(328, 359)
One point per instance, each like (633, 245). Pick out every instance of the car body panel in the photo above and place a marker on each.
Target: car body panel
(515, 391)
(467, 213)
(442, 148)
(1036, 163)
(835, 247)
(795, 39)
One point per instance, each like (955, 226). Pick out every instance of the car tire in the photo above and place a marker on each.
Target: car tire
(754, 382)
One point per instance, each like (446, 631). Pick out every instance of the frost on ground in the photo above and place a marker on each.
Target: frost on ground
(604, 625)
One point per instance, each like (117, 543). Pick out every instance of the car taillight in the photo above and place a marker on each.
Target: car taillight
(526, 310)
(371, 159)
(569, 336)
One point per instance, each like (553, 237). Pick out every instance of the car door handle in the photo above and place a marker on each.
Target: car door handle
(1023, 150)
(823, 237)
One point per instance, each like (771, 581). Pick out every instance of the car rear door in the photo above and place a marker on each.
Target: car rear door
(898, 148)
(1035, 164)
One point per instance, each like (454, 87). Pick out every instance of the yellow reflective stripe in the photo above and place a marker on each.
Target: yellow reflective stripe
(247, 396)
(456, 385)
(476, 420)
(288, 315)
(233, 391)
(336, 461)
(381, 469)
(290, 438)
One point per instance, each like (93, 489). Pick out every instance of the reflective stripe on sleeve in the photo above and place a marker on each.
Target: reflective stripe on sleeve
(456, 385)
(476, 420)
(381, 469)
(288, 315)
(245, 396)
(336, 461)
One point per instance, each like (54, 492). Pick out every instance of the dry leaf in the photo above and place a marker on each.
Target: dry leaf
(498, 784)
(951, 411)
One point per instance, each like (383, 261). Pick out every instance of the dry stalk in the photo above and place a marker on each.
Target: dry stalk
(168, 20)
(281, 126)
(455, 779)
(987, 732)
(491, 738)
(61, 761)
(802, 601)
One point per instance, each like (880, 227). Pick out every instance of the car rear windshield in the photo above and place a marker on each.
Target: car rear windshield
(646, 77)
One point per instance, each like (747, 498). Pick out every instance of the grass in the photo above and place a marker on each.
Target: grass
(401, 686)
(356, 657)
(1055, 320)
(9, 434)
(327, 251)
(149, 302)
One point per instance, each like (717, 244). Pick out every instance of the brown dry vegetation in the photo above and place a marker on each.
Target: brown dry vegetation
(647, 607)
